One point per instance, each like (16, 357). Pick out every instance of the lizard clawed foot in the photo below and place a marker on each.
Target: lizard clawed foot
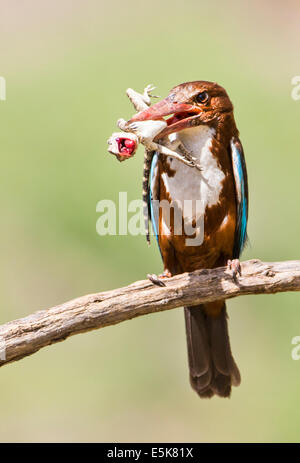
(234, 266)
(147, 94)
(158, 279)
(193, 164)
(190, 160)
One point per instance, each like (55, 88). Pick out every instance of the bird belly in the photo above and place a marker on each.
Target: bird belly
(198, 196)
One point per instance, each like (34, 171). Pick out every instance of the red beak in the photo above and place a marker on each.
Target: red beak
(182, 113)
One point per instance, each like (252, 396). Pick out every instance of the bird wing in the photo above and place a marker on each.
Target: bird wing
(153, 196)
(241, 187)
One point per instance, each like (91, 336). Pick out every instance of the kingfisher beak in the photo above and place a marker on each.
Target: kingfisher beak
(182, 115)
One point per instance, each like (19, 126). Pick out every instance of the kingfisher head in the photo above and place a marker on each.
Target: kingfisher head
(188, 105)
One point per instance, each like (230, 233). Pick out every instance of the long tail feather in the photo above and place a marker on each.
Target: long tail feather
(212, 367)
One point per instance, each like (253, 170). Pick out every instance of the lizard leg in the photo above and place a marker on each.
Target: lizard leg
(187, 154)
(141, 101)
(147, 94)
(169, 152)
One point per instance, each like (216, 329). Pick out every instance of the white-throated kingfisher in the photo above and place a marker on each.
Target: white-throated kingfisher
(201, 117)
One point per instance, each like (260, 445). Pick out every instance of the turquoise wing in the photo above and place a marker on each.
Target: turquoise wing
(153, 196)
(241, 187)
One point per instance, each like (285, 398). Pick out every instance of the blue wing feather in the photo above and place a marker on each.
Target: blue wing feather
(153, 183)
(241, 186)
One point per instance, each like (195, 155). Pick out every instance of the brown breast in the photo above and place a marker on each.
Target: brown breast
(219, 219)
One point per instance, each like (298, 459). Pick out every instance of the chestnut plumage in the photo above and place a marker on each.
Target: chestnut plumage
(201, 117)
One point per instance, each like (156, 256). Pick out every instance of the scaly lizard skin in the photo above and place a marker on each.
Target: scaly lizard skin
(146, 131)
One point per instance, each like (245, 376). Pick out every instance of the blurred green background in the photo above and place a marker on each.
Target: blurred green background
(67, 65)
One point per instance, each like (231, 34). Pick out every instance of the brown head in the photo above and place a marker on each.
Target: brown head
(190, 104)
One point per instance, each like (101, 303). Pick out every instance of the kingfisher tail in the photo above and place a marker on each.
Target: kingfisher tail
(212, 366)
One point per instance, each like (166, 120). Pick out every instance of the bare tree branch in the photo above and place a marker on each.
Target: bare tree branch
(25, 336)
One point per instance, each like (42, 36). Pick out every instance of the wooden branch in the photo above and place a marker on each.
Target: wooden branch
(25, 336)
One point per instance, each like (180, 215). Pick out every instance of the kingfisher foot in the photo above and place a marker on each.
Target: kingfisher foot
(235, 267)
(158, 279)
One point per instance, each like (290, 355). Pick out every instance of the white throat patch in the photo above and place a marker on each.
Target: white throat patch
(189, 183)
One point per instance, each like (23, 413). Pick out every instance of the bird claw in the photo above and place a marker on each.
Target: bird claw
(157, 279)
(234, 266)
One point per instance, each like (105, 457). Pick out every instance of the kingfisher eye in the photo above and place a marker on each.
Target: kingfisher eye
(202, 97)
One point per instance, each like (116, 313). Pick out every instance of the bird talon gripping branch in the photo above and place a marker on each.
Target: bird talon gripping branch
(156, 280)
(234, 266)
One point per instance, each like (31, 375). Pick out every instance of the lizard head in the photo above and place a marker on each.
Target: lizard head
(123, 145)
